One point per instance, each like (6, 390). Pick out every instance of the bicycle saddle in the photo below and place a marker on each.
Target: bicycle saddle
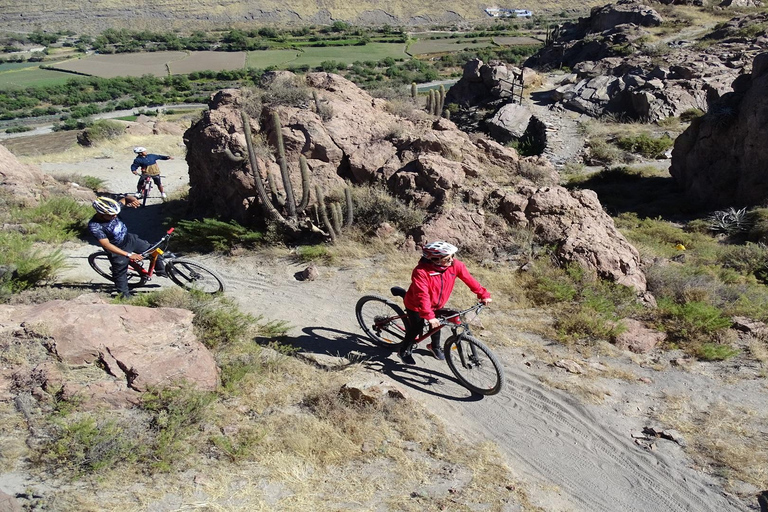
(397, 291)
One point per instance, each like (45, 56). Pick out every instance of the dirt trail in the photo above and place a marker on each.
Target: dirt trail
(573, 457)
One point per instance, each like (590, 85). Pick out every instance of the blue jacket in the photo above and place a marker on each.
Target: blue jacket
(146, 161)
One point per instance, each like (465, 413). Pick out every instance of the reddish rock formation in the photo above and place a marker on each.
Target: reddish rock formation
(107, 353)
(470, 187)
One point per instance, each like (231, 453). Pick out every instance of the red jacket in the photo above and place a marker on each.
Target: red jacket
(431, 286)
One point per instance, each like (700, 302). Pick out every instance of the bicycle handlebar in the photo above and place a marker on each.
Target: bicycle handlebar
(159, 243)
(445, 320)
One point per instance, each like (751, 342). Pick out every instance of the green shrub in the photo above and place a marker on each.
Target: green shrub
(645, 145)
(691, 323)
(91, 182)
(24, 267)
(56, 220)
(307, 253)
(601, 151)
(215, 235)
(374, 205)
(714, 352)
(758, 219)
(691, 114)
(18, 129)
(104, 129)
(89, 444)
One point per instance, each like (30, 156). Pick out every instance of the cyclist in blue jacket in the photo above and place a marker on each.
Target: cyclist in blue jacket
(147, 163)
(113, 236)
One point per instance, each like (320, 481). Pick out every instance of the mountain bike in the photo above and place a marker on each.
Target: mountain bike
(188, 274)
(147, 188)
(473, 363)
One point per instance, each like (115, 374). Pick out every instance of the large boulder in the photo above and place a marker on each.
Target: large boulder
(106, 353)
(721, 160)
(28, 185)
(623, 11)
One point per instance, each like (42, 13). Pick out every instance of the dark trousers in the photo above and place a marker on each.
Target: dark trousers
(131, 243)
(414, 329)
(144, 177)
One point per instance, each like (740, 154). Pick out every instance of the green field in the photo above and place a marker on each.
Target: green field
(263, 59)
(349, 54)
(29, 74)
(426, 46)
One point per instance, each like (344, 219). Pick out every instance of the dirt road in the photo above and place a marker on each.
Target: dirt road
(574, 457)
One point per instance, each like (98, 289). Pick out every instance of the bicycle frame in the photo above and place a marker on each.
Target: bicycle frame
(458, 326)
(152, 253)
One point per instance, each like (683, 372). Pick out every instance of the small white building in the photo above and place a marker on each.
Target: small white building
(500, 12)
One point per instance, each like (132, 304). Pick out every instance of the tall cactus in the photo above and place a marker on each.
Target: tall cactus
(290, 201)
(414, 90)
(284, 210)
(441, 101)
(430, 100)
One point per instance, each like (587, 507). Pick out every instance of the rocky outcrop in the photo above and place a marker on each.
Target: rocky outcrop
(106, 353)
(721, 159)
(28, 185)
(471, 188)
(617, 72)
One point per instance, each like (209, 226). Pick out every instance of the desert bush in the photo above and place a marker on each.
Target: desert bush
(90, 444)
(22, 266)
(602, 152)
(215, 235)
(102, 130)
(691, 114)
(307, 253)
(91, 182)
(538, 174)
(691, 324)
(714, 352)
(645, 145)
(54, 221)
(18, 129)
(374, 205)
(400, 107)
(758, 219)
(590, 308)
(289, 91)
(747, 259)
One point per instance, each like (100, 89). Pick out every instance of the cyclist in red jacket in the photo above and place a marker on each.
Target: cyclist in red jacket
(431, 286)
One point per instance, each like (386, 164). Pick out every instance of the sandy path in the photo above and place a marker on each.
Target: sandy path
(573, 457)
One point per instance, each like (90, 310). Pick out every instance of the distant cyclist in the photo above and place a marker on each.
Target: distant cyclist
(431, 285)
(147, 163)
(113, 236)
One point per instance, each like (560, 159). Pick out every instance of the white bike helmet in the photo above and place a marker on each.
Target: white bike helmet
(438, 250)
(106, 205)
(139, 149)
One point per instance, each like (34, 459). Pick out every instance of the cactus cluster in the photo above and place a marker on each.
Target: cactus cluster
(436, 101)
(282, 208)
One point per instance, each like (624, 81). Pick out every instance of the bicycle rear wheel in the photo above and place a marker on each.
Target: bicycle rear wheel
(381, 320)
(474, 364)
(100, 262)
(191, 275)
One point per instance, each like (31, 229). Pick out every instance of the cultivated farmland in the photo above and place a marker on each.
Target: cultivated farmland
(263, 59)
(516, 40)
(428, 46)
(29, 74)
(313, 56)
(211, 61)
(122, 64)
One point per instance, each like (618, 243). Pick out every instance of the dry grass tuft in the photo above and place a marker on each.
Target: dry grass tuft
(730, 435)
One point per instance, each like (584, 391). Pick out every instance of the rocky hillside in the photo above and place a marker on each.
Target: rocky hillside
(166, 14)
(474, 191)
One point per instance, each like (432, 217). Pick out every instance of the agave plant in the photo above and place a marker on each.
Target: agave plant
(730, 221)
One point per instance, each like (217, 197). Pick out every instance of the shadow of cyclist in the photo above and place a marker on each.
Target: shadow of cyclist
(357, 348)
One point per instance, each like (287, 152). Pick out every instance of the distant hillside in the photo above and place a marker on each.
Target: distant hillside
(97, 15)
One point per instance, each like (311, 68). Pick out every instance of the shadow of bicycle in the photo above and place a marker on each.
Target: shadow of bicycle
(428, 376)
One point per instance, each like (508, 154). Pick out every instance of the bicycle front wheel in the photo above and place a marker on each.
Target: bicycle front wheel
(381, 320)
(191, 275)
(100, 262)
(474, 364)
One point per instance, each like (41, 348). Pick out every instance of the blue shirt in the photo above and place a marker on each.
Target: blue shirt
(146, 161)
(113, 230)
